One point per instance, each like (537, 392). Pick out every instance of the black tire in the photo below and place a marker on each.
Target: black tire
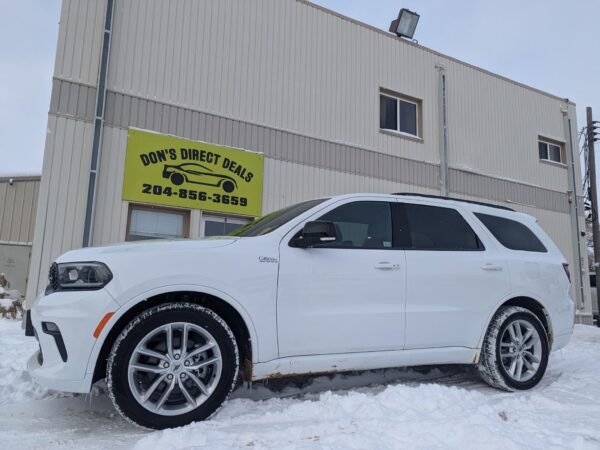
(177, 179)
(491, 367)
(228, 186)
(117, 368)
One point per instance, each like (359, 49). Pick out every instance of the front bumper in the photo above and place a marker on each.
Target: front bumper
(76, 314)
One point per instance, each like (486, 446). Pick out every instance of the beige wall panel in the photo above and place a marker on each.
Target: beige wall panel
(79, 40)
(61, 201)
(110, 219)
(494, 127)
(280, 63)
(287, 183)
(14, 264)
(17, 209)
(292, 66)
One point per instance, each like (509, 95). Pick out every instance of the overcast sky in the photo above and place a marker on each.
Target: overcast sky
(542, 43)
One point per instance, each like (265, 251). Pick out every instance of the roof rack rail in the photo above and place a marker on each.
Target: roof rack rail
(416, 194)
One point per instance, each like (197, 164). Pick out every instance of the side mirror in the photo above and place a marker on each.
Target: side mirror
(315, 233)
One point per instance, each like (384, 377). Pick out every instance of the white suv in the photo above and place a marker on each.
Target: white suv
(353, 282)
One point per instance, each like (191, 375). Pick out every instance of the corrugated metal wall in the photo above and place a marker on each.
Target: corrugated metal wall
(18, 201)
(296, 82)
(290, 65)
(61, 202)
(79, 38)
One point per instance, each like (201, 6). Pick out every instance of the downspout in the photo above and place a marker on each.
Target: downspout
(574, 211)
(98, 125)
(442, 129)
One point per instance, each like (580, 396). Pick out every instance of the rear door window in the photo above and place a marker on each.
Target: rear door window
(424, 227)
(512, 234)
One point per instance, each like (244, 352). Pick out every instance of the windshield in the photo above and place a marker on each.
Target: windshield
(270, 222)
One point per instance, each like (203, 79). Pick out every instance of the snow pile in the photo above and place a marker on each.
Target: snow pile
(15, 348)
(442, 407)
(563, 412)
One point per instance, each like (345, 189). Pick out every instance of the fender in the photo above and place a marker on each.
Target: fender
(91, 364)
(510, 297)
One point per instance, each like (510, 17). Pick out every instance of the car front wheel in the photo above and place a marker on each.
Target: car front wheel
(515, 350)
(172, 365)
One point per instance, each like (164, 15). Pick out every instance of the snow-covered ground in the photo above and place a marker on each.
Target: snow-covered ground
(445, 407)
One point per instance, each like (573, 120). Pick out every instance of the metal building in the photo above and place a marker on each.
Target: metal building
(332, 104)
(18, 200)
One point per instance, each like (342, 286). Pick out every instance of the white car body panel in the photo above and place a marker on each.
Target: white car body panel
(453, 292)
(316, 309)
(367, 315)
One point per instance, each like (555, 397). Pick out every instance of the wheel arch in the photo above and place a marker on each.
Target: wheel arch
(531, 304)
(243, 332)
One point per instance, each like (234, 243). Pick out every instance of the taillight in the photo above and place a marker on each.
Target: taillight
(567, 271)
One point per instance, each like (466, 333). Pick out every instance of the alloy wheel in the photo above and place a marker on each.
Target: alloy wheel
(174, 368)
(520, 350)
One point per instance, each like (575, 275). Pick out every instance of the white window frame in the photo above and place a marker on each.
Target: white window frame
(397, 130)
(185, 213)
(548, 143)
(221, 219)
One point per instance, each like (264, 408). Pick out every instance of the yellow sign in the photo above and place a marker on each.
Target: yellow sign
(171, 171)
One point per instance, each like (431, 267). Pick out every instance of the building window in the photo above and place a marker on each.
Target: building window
(399, 114)
(150, 222)
(551, 151)
(220, 225)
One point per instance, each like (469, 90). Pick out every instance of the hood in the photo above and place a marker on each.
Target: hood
(158, 246)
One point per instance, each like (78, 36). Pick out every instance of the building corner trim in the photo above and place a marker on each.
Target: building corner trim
(574, 213)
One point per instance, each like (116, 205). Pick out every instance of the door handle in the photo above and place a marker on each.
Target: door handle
(491, 267)
(384, 265)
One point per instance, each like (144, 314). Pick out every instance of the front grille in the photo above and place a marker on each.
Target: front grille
(52, 279)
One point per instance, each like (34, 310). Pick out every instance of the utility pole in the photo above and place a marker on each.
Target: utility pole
(593, 193)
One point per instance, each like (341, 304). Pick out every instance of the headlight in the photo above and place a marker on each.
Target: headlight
(78, 276)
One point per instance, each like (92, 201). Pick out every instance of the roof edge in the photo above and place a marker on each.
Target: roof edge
(4, 178)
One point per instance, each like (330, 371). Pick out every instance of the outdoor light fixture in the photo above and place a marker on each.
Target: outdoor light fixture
(406, 23)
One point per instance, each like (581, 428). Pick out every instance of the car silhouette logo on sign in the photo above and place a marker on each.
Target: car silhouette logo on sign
(198, 174)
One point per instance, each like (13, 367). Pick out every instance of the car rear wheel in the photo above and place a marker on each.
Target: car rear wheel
(172, 365)
(228, 186)
(515, 350)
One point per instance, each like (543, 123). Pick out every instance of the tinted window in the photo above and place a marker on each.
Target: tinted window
(543, 150)
(361, 225)
(512, 234)
(425, 227)
(272, 221)
(408, 117)
(388, 113)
